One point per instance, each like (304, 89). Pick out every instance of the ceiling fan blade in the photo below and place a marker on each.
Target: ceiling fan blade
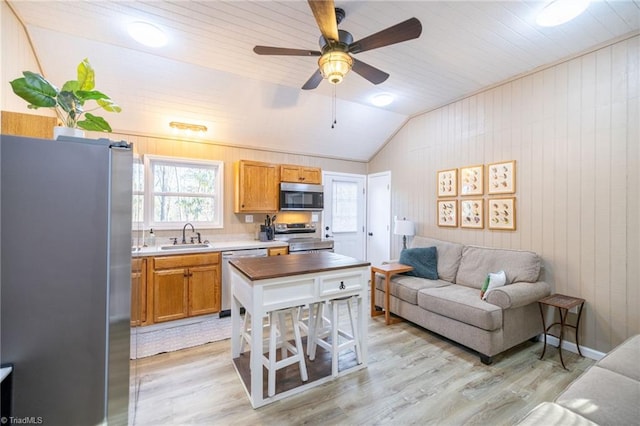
(314, 81)
(325, 14)
(372, 74)
(268, 50)
(407, 30)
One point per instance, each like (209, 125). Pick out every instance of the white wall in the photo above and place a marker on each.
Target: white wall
(573, 131)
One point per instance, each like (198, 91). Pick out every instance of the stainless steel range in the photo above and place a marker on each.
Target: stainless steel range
(299, 239)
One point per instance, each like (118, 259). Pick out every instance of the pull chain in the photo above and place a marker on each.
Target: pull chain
(333, 108)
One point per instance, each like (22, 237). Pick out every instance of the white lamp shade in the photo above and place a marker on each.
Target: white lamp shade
(404, 227)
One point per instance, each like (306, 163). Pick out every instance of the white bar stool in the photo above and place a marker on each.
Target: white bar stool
(278, 339)
(321, 328)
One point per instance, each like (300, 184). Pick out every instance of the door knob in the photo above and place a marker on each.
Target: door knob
(370, 234)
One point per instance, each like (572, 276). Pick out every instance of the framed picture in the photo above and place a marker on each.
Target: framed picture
(448, 213)
(472, 213)
(471, 180)
(448, 183)
(502, 213)
(501, 178)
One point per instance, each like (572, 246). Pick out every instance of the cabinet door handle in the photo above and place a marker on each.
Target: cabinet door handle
(342, 286)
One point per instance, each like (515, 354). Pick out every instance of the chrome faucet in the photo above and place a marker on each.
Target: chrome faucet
(184, 239)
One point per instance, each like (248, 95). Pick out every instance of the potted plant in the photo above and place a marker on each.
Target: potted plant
(68, 102)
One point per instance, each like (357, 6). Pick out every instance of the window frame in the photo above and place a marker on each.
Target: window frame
(149, 192)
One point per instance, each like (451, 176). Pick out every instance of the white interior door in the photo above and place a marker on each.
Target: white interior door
(344, 213)
(379, 217)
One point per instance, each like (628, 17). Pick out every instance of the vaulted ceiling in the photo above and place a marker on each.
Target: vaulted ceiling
(208, 74)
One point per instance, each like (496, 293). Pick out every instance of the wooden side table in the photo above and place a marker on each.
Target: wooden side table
(388, 270)
(563, 303)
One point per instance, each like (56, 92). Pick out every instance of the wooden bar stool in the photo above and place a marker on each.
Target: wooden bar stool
(289, 353)
(325, 327)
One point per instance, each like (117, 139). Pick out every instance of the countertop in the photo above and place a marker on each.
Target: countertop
(261, 268)
(213, 246)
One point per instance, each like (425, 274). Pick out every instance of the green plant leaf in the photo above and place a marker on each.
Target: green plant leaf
(108, 105)
(70, 103)
(34, 89)
(93, 122)
(93, 94)
(71, 86)
(86, 75)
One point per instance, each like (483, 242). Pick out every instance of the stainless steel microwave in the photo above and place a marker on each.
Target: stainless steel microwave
(301, 196)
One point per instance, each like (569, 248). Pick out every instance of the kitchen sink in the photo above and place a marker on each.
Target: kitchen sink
(184, 246)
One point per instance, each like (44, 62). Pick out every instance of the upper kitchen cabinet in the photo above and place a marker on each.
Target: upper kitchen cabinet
(300, 174)
(256, 187)
(35, 126)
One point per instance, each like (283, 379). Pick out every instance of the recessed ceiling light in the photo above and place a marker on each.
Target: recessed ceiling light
(382, 99)
(560, 11)
(147, 34)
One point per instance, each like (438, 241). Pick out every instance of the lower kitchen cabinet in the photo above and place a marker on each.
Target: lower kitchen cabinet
(278, 251)
(138, 291)
(184, 286)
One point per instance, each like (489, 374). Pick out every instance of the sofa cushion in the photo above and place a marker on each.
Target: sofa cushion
(492, 282)
(406, 288)
(462, 304)
(624, 359)
(604, 397)
(424, 261)
(449, 255)
(548, 413)
(477, 262)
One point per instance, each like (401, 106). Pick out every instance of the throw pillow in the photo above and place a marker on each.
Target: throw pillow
(424, 261)
(496, 280)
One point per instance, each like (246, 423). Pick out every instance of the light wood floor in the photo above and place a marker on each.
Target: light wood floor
(413, 377)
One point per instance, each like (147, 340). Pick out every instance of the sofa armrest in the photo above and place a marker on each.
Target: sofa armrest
(518, 294)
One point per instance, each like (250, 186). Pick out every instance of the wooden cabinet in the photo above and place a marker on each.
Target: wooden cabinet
(278, 251)
(138, 291)
(256, 187)
(300, 174)
(30, 125)
(185, 286)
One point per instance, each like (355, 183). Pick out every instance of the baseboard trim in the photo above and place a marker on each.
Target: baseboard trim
(571, 347)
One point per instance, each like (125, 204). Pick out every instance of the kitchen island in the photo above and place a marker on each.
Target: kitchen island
(261, 285)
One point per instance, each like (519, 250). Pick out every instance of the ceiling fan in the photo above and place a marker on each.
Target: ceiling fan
(337, 46)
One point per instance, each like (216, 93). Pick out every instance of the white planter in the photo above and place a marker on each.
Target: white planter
(67, 131)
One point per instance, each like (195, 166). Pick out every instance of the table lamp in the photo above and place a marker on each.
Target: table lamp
(405, 228)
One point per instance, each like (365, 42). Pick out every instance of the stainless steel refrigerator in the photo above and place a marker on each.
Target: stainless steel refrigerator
(65, 248)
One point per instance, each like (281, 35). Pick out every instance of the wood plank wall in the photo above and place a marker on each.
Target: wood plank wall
(573, 131)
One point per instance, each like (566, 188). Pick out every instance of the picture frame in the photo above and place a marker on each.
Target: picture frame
(448, 183)
(472, 180)
(501, 178)
(447, 213)
(501, 213)
(472, 213)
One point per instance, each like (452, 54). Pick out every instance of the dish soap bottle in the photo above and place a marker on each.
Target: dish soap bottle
(152, 239)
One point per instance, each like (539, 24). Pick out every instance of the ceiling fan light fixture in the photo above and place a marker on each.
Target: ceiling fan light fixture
(558, 12)
(334, 65)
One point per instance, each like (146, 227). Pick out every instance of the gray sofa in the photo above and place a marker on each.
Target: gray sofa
(451, 305)
(606, 394)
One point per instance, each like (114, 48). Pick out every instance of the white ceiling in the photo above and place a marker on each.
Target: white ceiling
(208, 73)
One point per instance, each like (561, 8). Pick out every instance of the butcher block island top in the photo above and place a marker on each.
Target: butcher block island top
(262, 268)
(266, 284)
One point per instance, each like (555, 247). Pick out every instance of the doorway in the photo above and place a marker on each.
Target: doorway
(343, 220)
(379, 217)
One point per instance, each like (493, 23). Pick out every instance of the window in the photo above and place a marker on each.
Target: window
(345, 206)
(180, 190)
(137, 213)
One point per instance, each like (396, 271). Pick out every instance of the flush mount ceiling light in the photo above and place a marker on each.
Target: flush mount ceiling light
(187, 127)
(560, 11)
(382, 99)
(334, 65)
(147, 34)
